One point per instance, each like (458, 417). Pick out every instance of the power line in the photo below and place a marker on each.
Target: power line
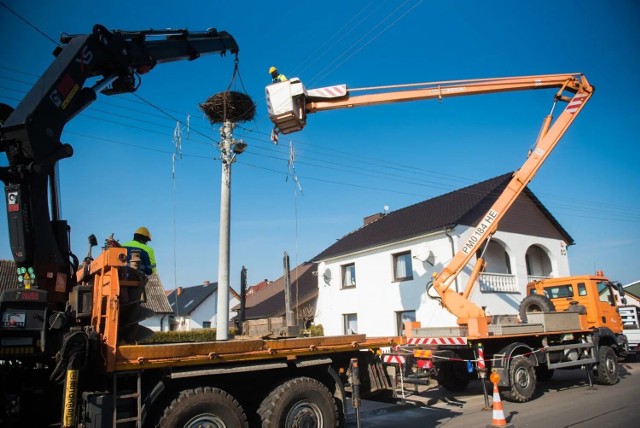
(618, 211)
(338, 35)
(29, 23)
(328, 68)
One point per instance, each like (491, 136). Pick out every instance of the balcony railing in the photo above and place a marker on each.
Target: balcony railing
(498, 283)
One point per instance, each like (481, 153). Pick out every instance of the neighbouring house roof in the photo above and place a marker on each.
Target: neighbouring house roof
(461, 207)
(259, 286)
(156, 298)
(269, 300)
(8, 276)
(184, 300)
(633, 288)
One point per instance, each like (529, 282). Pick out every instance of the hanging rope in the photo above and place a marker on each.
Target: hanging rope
(230, 105)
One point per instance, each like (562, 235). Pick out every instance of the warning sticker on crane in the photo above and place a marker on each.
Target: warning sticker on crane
(335, 91)
(12, 202)
(576, 103)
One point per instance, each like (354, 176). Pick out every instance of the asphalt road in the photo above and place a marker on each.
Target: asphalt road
(567, 400)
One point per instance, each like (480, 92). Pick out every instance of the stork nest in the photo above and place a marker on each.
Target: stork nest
(229, 105)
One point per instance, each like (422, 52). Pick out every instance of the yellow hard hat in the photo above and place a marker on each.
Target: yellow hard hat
(144, 232)
(272, 69)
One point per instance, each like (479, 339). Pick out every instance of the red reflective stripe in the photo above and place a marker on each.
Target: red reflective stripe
(396, 359)
(481, 364)
(575, 103)
(437, 341)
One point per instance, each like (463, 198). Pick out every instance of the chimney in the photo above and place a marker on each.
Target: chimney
(370, 219)
(179, 291)
(206, 283)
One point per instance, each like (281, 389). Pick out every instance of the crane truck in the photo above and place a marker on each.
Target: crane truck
(586, 333)
(69, 334)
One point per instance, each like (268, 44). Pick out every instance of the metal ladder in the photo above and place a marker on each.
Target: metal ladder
(137, 395)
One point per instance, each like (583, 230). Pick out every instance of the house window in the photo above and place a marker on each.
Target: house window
(402, 269)
(206, 324)
(401, 318)
(350, 323)
(349, 275)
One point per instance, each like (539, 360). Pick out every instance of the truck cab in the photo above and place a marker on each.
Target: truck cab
(592, 296)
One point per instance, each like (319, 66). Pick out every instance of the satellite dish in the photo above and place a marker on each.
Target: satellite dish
(386, 208)
(327, 276)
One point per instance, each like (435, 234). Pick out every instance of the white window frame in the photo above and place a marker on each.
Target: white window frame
(409, 269)
(400, 317)
(349, 321)
(345, 277)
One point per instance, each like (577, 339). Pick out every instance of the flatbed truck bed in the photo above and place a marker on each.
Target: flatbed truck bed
(174, 355)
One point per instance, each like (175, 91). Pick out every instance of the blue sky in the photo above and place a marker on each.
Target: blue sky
(350, 164)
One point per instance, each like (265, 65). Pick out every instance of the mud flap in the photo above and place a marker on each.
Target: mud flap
(500, 365)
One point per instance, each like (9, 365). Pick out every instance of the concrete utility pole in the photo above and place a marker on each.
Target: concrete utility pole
(229, 149)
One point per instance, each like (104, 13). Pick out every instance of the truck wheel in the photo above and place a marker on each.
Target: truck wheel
(453, 376)
(299, 402)
(522, 377)
(607, 369)
(535, 303)
(210, 407)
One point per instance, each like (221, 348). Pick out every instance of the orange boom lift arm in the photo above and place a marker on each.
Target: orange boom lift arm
(289, 103)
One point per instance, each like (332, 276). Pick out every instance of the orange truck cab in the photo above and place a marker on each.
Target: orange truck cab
(595, 297)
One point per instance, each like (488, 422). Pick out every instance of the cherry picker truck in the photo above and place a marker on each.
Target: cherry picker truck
(69, 352)
(585, 331)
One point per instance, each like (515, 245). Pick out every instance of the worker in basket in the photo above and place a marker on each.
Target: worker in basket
(139, 243)
(276, 76)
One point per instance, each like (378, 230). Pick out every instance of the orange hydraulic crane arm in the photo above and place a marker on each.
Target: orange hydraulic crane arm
(445, 89)
(289, 102)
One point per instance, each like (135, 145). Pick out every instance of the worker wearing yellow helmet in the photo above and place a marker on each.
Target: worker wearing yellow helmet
(139, 243)
(275, 76)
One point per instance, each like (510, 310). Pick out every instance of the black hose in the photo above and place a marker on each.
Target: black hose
(73, 355)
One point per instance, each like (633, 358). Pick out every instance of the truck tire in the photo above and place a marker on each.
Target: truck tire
(607, 370)
(211, 407)
(522, 378)
(535, 303)
(299, 402)
(453, 375)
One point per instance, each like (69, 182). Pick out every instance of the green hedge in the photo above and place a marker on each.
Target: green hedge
(316, 330)
(207, 335)
(200, 335)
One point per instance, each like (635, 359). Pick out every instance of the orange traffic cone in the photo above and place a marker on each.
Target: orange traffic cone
(498, 414)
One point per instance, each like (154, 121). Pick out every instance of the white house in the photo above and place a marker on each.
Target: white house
(197, 307)
(374, 278)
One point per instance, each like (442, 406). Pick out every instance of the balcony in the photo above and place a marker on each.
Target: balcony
(498, 283)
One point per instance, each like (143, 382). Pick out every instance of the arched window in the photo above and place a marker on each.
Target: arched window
(497, 258)
(538, 262)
